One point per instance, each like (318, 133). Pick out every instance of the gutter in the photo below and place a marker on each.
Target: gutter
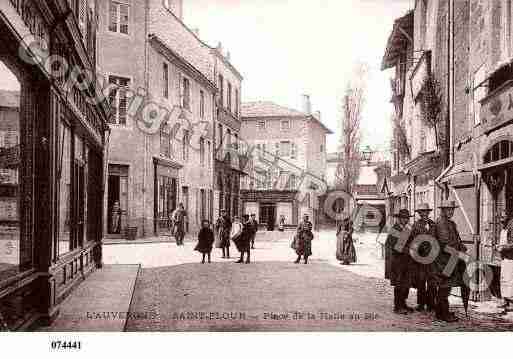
(450, 87)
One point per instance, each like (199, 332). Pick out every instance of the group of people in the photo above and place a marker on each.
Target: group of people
(407, 264)
(242, 233)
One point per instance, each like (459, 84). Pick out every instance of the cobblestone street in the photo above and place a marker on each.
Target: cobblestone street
(176, 293)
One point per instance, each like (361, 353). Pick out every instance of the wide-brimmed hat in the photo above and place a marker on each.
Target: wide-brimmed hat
(448, 204)
(423, 207)
(403, 213)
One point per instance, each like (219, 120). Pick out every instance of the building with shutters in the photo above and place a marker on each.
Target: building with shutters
(146, 49)
(228, 151)
(52, 142)
(287, 167)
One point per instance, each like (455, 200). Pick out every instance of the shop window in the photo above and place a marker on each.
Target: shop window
(500, 151)
(64, 180)
(14, 254)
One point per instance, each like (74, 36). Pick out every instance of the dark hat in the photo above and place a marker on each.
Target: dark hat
(423, 207)
(448, 204)
(403, 213)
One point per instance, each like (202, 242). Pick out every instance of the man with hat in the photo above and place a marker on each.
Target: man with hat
(447, 236)
(397, 261)
(223, 228)
(426, 289)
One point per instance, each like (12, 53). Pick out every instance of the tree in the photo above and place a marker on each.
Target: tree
(353, 102)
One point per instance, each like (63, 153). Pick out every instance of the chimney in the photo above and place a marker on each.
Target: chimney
(318, 115)
(307, 106)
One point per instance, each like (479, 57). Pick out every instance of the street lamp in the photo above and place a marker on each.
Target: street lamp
(367, 154)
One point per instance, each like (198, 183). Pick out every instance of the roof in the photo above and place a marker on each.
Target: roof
(398, 40)
(9, 98)
(259, 109)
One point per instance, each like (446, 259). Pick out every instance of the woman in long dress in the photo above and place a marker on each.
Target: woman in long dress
(303, 240)
(346, 252)
(205, 240)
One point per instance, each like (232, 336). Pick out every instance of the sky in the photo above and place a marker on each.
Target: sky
(286, 48)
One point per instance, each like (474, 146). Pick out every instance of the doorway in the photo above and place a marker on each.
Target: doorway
(268, 215)
(117, 200)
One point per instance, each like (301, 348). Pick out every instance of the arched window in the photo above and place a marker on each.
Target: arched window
(500, 151)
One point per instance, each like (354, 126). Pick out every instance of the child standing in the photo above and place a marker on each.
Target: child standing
(205, 240)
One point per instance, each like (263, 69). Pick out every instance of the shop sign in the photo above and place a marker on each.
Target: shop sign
(497, 109)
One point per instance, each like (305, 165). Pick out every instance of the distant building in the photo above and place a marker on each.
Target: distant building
(296, 140)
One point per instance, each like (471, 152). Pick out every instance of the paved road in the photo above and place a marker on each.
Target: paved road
(176, 293)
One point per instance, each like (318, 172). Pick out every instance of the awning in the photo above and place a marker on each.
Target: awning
(460, 175)
(397, 43)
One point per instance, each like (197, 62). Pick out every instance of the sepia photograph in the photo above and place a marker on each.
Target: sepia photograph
(261, 166)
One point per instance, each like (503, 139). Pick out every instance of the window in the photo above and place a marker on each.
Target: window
(500, 151)
(293, 150)
(220, 135)
(292, 181)
(285, 125)
(185, 145)
(221, 90)
(236, 143)
(479, 93)
(186, 93)
(203, 197)
(118, 99)
(165, 80)
(64, 176)
(260, 125)
(321, 149)
(119, 17)
(202, 104)
(229, 97)
(285, 148)
(209, 157)
(165, 141)
(237, 100)
(202, 152)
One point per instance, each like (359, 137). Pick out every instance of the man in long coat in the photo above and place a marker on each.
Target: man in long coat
(398, 261)
(303, 240)
(254, 230)
(426, 289)
(447, 236)
(223, 229)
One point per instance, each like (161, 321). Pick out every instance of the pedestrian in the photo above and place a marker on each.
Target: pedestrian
(281, 225)
(241, 234)
(115, 218)
(254, 230)
(397, 261)
(223, 228)
(506, 251)
(423, 281)
(447, 235)
(178, 217)
(303, 240)
(346, 252)
(205, 240)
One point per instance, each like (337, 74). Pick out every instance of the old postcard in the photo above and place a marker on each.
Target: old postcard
(255, 166)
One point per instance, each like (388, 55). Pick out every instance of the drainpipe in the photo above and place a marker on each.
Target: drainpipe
(146, 85)
(450, 89)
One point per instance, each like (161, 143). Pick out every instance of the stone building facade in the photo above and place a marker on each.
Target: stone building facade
(475, 65)
(150, 57)
(227, 166)
(287, 169)
(52, 143)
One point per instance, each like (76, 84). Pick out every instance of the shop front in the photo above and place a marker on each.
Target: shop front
(51, 171)
(166, 194)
